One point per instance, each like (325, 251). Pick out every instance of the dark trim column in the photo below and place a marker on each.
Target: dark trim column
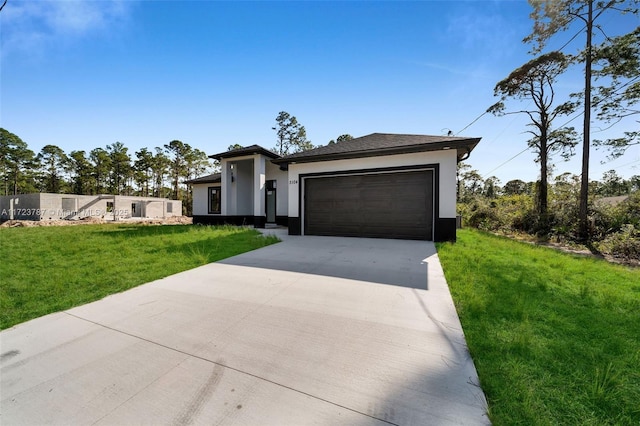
(294, 226)
(259, 221)
(445, 229)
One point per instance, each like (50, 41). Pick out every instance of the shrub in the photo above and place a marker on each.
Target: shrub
(610, 219)
(617, 227)
(482, 214)
(624, 243)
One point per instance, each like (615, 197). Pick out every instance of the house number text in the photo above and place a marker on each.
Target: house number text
(293, 182)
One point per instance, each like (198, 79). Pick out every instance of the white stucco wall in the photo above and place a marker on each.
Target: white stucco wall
(245, 195)
(244, 187)
(446, 159)
(201, 198)
(282, 191)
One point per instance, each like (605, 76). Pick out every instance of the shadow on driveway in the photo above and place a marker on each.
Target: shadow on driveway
(401, 263)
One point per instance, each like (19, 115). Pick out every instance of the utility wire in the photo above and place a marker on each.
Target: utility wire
(512, 158)
(572, 38)
(482, 115)
(629, 163)
(569, 121)
(469, 125)
(527, 148)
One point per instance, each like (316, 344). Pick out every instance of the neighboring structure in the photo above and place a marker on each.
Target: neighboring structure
(611, 201)
(379, 185)
(44, 206)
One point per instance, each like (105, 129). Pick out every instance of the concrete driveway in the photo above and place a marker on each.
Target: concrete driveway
(313, 330)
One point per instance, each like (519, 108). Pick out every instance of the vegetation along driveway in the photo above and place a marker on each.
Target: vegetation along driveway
(320, 330)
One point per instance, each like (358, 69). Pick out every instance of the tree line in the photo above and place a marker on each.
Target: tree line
(472, 185)
(614, 225)
(114, 169)
(159, 172)
(611, 90)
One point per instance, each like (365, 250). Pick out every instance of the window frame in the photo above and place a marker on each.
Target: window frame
(209, 199)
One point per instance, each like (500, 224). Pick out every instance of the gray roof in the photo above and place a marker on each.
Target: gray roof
(248, 150)
(214, 178)
(612, 201)
(377, 144)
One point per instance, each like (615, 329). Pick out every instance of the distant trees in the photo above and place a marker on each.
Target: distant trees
(81, 177)
(470, 183)
(17, 164)
(341, 138)
(615, 61)
(534, 82)
(184, 162)
(515, 187)
(101, 169)
(160, 172)
(143, 170)
(291, 135)
(160, 168)
(613, 185)
(121, 170)
(615, 224)
(177, 152)
(54, 163)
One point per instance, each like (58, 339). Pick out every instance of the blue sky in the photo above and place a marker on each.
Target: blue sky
(84, 74)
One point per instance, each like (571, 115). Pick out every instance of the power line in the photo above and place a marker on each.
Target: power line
(469, 125)
(496, 168)
(571, 119)
(572, 38)
(527, 148)
(482, 115)
(628, 164)
(579, 114)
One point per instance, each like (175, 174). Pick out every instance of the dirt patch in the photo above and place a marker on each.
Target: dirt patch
(577, 249)
(174, 220)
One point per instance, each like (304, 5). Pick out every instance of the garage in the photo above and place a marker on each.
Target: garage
(374, 205)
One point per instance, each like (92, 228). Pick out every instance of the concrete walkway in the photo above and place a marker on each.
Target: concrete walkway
(313, 330)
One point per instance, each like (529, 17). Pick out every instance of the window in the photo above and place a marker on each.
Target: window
(169, 207)
(214, 200)
(133, 209)
(109, 206)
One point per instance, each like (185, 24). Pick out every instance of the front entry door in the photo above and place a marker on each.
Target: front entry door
(270, 187)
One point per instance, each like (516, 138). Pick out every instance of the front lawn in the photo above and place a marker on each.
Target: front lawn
(48, 269)
(555, 337)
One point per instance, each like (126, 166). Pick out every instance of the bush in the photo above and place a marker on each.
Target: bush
(482, 214)
(506, 213)
(624, 243)
(615, 227)
(610, 219)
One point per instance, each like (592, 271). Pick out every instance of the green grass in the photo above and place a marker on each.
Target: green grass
(48, 269)
(555, 337)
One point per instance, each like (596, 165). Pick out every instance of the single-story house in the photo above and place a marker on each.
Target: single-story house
(47, 206)
(379, 185)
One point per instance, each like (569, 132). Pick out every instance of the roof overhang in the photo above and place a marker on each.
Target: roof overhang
(242, 152)
(213, 178)
(463, 148)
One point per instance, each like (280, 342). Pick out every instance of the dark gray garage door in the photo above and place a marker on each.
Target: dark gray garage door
(386, 205)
